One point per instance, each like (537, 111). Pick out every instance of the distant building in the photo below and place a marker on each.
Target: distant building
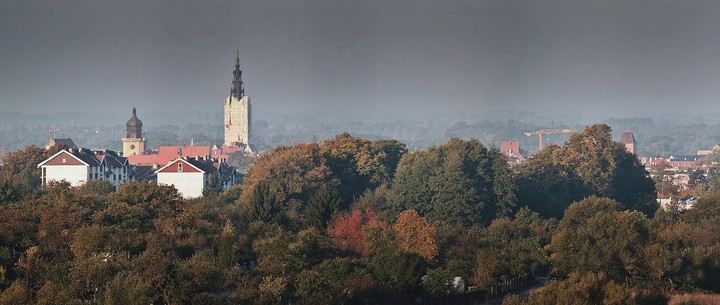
(238, 113)
(628, 139)
(113, 168)
(706, 152)
(133, 142)
(78, 166)
(61, 142)
(511, 150)
(164, 154)
(191, 176)
(684, 162)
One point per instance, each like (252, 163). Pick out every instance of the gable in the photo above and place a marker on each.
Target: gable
(62, 158)
(175, 167)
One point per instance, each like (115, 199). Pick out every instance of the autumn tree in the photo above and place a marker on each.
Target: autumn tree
(415, 235)
(590, 163)
(21, 165)
(361, 164)
(290, 173)
(347, 232)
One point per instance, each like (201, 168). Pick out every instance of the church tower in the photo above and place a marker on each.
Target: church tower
(133, 142)
(628, 140)
(237, 111)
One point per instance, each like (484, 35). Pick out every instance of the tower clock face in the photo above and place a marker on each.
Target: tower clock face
(132, 146)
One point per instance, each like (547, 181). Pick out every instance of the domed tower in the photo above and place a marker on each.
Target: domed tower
(133, 142)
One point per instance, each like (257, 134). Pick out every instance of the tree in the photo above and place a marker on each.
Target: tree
(290, 173)
(347, 232)
(594, 236)
(263, 204)
(610, 170)
(438, 282)
(400, 274)
(590, 163)
(21, 165)
(461, 183)
(361, 164)
(549, 187)
(320, 208)
(586, 289)
(336, 281)
(214, 186)
(415, 235)
(125, 288)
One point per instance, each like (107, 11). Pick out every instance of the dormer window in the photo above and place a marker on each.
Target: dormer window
(180, 168)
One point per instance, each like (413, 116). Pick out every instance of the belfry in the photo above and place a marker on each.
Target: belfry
(237, 111)
(133, 142)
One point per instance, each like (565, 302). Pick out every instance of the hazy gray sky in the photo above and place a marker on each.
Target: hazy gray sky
(358, 58)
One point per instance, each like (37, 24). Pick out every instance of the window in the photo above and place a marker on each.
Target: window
(180, 168)
(64, 160)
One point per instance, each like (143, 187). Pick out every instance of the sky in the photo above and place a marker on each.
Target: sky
(362, 59)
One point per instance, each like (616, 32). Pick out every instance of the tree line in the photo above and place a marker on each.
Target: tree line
(358, 221)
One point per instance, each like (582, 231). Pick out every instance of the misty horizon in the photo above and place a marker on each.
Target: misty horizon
(363, 60)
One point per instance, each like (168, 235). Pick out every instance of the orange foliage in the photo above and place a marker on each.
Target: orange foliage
(415, 235)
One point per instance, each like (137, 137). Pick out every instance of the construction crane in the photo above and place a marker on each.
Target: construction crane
(541, 132)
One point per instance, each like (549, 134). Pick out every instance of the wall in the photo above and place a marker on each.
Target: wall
(75, 174)
(189, 185)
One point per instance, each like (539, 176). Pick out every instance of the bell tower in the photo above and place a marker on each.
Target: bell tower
(133, 142)
(237, 111)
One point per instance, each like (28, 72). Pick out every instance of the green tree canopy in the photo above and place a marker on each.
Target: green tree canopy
(460, 183)
(590, 163)
(595, 236)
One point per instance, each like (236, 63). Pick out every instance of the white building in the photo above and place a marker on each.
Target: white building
(78, 166)
(191, 177)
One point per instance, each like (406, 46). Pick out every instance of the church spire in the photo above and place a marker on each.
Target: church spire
(237, 90)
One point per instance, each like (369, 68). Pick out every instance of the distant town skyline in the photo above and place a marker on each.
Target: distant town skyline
(358, 59)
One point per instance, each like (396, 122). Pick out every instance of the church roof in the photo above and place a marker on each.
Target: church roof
(627, 137)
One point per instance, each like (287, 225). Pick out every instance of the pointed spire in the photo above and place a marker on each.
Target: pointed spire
(237, 90)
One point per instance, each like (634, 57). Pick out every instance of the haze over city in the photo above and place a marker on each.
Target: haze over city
(363, 59)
